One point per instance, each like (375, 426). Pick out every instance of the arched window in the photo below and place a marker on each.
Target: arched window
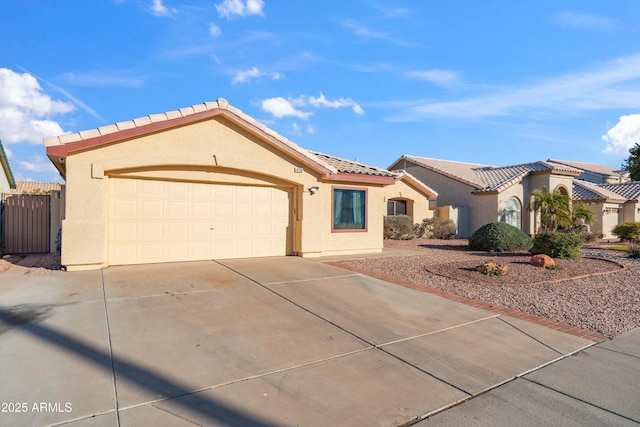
(513, 213)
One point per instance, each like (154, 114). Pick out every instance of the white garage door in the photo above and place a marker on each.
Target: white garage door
(160, 221)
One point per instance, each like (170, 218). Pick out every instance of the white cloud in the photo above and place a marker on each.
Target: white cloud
(214, 30)
(159, 9)
(280, 107)
(37, 163)
(615, 84)
(298, 130)
(25, 110)
(239, 7)
(442, 78)
(322, 101)
(253, 73)
(583, 21)
(623, 136)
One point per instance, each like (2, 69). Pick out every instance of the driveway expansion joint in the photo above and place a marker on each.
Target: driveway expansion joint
(113, 365)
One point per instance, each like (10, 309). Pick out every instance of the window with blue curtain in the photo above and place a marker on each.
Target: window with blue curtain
(349, 209)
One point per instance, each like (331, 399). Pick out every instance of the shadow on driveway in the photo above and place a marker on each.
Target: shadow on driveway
(222, 414)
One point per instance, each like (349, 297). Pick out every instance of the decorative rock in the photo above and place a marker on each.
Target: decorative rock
(542, 261)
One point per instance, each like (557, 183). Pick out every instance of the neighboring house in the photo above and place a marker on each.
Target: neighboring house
(7, 182)
(209, 181)
(595, 173)
(607, 206)
(473, 194)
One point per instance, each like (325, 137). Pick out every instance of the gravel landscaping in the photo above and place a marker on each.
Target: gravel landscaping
(606, 301)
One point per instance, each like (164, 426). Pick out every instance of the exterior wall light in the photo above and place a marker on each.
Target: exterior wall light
(313, 190)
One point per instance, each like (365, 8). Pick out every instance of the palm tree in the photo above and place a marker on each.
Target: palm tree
(554, 208)
(581, 217)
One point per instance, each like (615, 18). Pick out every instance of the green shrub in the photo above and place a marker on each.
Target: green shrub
(436, 228)
(499, 237)
(558, 244)
(398, 227)
(627, 231)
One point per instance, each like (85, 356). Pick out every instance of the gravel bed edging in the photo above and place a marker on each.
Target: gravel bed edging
(582, 276)
(562, 327)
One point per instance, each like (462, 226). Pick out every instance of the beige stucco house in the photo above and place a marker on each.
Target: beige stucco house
(473, 194)
(209, 181)
(611, 204)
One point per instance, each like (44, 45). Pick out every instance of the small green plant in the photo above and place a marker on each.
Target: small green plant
(558, 244)
(499, 237)
(553, 267)
(627, 231)
(436, 228)
(398, 227)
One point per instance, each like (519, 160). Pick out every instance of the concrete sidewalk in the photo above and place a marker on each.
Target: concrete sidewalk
(270, 342)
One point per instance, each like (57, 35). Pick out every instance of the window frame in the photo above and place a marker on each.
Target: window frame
(366, 210)
(395, 209)
(519, 210)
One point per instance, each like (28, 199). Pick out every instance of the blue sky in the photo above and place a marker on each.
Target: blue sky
(494, 82)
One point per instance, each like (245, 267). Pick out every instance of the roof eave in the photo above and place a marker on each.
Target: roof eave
(361, 178)
(58, 152)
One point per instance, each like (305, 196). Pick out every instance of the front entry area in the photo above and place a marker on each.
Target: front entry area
(154, 221)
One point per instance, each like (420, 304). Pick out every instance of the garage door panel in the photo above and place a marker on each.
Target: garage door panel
(150, 209)
(201, 210)
(149, 231)
(176, 251)
(162, 221)
(147, 188)
(123, 231)
(124, 209)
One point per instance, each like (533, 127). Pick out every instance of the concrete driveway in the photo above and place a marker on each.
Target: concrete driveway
(249, 342)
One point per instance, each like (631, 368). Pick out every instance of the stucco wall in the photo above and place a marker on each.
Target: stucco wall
(608, 215)
(4, 182)
(450, 193)
(402, 190)
(631, 211)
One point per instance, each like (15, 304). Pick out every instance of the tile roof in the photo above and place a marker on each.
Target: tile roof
(330, 164)
(590, 167)
(485, 178)
(348, 166)
(32, 187)
(628, 190)
(461, 171)
(587, 191)
(56, 149)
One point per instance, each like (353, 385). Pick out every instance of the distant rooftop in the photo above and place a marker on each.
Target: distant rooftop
(485, 178)
(595, 168)
(32, 187)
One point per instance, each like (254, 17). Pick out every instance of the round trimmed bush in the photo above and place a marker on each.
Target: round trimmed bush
(558, 244)
(499, 237)
(627, 231)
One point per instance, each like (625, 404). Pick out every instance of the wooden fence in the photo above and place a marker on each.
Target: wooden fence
(26, 224)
